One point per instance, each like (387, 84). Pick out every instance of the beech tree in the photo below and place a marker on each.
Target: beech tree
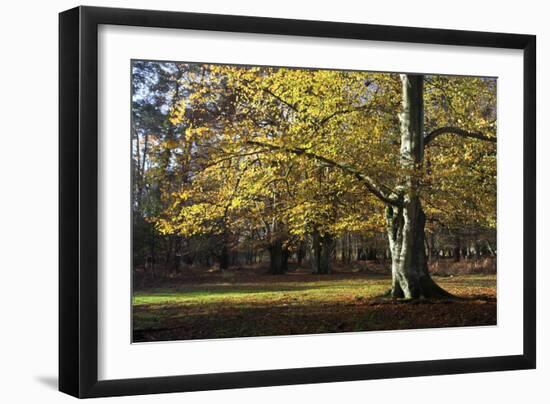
(289, 155)
(405, 216)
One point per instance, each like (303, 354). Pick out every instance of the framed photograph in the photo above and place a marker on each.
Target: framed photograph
(251, 201)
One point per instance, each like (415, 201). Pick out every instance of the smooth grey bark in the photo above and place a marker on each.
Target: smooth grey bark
(405, 221)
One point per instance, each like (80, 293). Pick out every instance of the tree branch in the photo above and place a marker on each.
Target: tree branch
(327, 118)
(370, 184)
(457, 131)
(280, 99)
(232, 156)
(343, 112)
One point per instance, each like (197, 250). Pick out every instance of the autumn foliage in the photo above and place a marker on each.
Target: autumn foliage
(237, 166)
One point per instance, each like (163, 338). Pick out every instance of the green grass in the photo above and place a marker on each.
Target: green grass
(320, 291)
(308, 291)
(223, 309)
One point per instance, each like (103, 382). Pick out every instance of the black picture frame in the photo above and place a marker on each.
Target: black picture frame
(78, 201)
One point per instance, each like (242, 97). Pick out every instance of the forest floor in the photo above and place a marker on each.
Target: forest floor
(246, 303)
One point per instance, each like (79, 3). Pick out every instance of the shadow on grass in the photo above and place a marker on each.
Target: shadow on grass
(328, 306)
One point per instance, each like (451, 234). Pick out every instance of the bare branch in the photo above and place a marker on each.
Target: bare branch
(370, 184)
(451, 130)
(232, 156)
(280, 99)
(343, 112)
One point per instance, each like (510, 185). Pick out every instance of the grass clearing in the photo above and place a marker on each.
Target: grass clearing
(301, 305)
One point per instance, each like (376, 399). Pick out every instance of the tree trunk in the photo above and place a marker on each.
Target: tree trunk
(428, 249)
(349, 254)
(410, 276)
(372, 254)
(490, 249)
(343, 249)
(300, 254)
(321, 251)
(406, 222)
(327, 248)
(224, 257)
(153, 253)
(315, 251)
(169, 247)
(278, 256)
(457, 249)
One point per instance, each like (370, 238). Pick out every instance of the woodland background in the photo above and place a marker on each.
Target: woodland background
(231, 163)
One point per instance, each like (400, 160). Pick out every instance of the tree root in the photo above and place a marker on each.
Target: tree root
(431, 292)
